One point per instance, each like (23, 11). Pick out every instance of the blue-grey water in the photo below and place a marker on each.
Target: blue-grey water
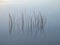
(50, 36)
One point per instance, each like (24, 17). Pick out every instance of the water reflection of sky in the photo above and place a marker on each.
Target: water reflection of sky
(51, 10)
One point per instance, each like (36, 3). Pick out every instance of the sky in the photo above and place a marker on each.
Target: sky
(28, 1)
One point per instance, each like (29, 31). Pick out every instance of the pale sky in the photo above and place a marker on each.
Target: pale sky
(30, 2)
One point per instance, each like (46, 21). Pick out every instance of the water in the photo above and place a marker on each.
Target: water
(50, 36)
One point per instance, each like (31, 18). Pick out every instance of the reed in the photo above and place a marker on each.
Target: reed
(13, 21)
(10, 24)
(37, 25)
(34, 17)
(31, 26)
(42, 23)
(28, 27)
(22, 23)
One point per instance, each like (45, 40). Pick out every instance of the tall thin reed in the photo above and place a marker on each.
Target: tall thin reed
(22, 22)
(31, 26)
(14, 21)
(10, 24)
(37, 25)
(34, 18)
(41, 23)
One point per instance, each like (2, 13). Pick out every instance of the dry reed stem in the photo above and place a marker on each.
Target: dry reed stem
(10, 24)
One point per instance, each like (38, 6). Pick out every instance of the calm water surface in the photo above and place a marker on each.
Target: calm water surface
(50, 36)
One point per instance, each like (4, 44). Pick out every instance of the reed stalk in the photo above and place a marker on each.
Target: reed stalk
(10, 24)
(31, 26)
(41, 23)
(14, 21)
(22, 22)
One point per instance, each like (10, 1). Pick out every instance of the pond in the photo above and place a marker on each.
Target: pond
(30, 24)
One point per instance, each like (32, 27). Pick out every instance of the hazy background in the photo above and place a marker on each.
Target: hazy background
(49, 8)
